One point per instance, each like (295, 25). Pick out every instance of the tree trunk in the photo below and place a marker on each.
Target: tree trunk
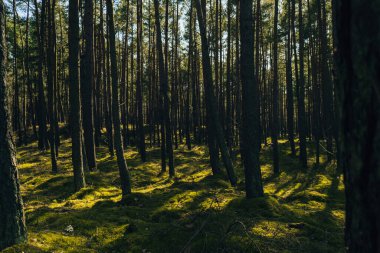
(75, 111)
(275, 119)
(124, 82)
(41, 105)
(250, 140)
(125, 180)
(229, 79)
(327, 88)
(87, 86)
(190, 78)
(213, 123)
(164, 91)
(358, 63)
(16, 99)
(50, 84)
(301, 93)
(139, 89)
(289, 85)
(211, 135)
(12, 219)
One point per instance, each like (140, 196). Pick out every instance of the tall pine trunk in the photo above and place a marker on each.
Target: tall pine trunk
(289, 84)
(275, 115)
(139, 88)
(74, 96)
(213, 125)
(87, 86)
(357, 64)
(211, 134)
(12, 220)
(50, 84)
(301, 92)
(41, 104)
(250, 140)
(164, 91)
(125, 180)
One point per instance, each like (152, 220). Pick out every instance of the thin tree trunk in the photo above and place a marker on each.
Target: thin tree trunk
(124, 81)
(214, 124)
(125, 180)
(74, 96)
(41, 105)
(229, 79)
(289, 85)
(164, 91)
(275, 119)
(50, 85)
(327, 87)
(87, 86)
(139, 89)
(190, 78)
(301, 93)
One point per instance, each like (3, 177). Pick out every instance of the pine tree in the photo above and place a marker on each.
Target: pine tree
(250, 129)
(74, 96)
(357, 68)
(87, 86)
(125, 180)
(12, 220)
(213, 125)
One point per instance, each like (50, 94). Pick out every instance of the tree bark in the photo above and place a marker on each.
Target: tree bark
(87, 85)
(125, 180)
(41, 105)
(213, 123)
(301, 93)
(51, 83)
(139, 88)
(12, 219)
(289, 85)
(164, 91)
(74, 90)
(250, 140)
(327, 87)
(275, 119)
(357, 64)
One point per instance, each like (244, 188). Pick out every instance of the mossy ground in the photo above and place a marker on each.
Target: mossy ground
(302, 211)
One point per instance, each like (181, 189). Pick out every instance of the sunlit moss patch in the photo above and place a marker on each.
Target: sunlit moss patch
(302, 211)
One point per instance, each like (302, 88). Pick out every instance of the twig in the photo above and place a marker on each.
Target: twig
(331, 153)
(245, 230)
(194, 235)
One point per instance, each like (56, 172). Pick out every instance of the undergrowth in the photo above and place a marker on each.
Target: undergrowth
(302, 211)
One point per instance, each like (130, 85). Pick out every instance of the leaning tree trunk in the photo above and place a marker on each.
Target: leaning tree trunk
(12, 220)
(358, 64)
(214, 124)
(125, 180)
(211, 136)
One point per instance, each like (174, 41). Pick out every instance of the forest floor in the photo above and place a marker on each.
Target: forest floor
(302, 211)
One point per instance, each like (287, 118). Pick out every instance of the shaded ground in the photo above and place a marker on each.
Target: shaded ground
(303, 211)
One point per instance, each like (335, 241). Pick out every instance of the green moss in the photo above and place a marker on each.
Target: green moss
(302, 211)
